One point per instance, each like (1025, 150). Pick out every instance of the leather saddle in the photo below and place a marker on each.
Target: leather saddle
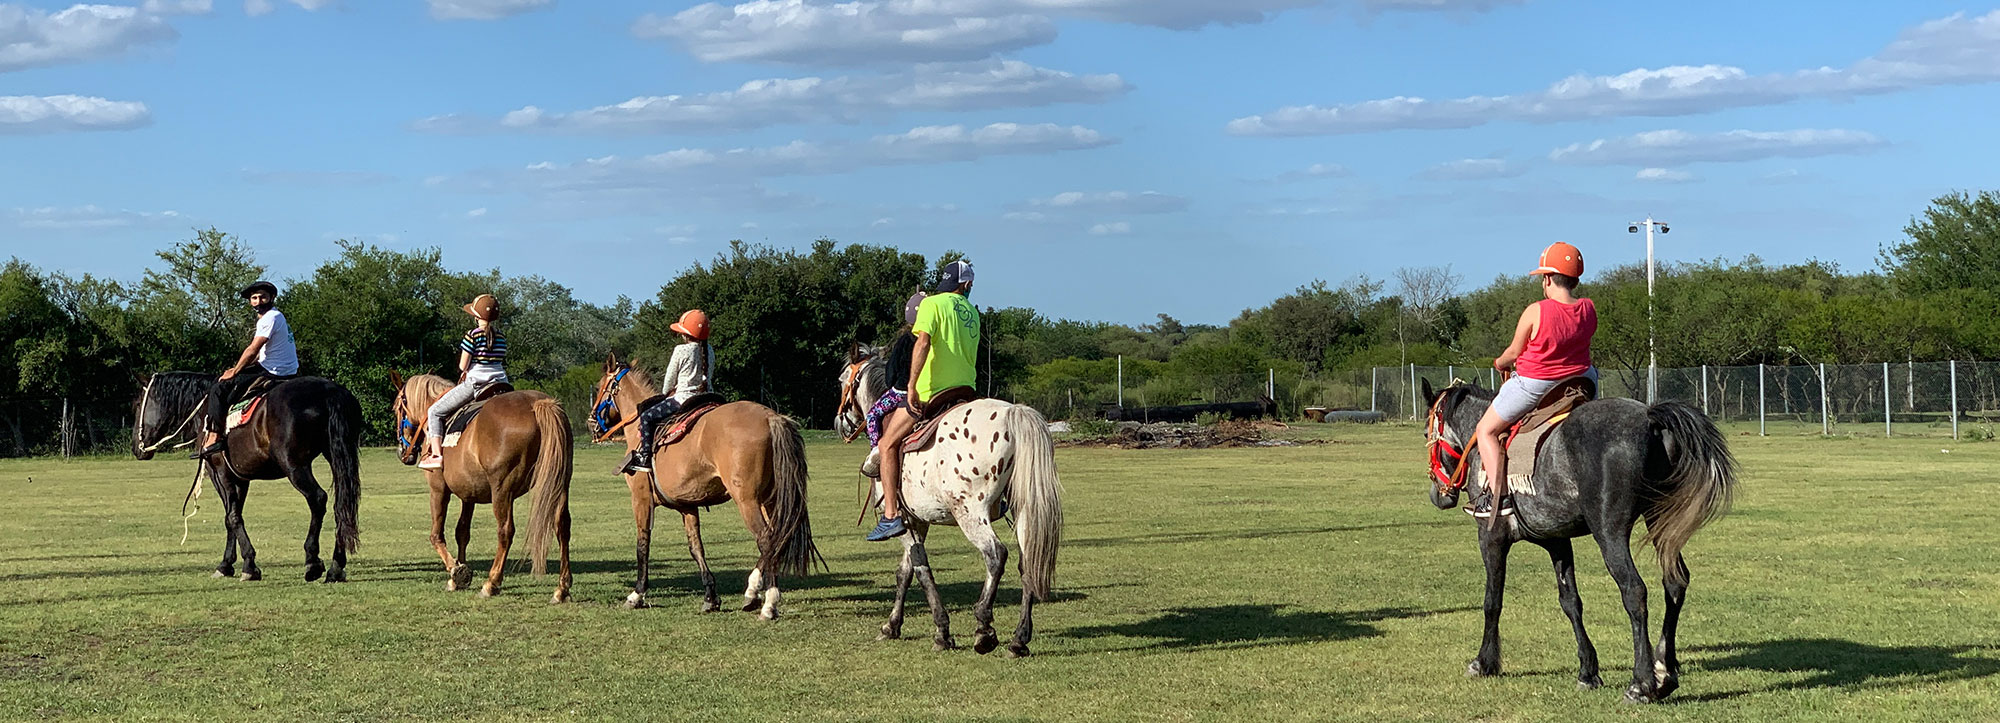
(251, 398)
(1524, 440)
(675, 428)
(932, 412)
(455, 424)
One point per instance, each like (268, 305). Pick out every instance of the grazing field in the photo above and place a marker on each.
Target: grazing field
(1857, 579)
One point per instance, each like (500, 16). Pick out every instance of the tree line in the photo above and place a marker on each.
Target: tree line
(784, 320)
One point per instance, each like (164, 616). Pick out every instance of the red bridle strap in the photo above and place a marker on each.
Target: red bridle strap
(1454, 480)
(847, 392)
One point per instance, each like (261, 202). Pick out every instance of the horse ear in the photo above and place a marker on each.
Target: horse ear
(1429, 393)
(610, 362)
(395, 380)
(141, 379)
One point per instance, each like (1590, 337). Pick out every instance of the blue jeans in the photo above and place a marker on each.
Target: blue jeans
(650, 419)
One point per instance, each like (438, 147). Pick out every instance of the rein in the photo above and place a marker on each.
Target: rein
(1443, 454)
(597, 413)
(847, 392)
(147, 398)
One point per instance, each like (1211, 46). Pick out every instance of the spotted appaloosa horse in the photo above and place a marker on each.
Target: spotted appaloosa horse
(1614, 462)
(991, 458)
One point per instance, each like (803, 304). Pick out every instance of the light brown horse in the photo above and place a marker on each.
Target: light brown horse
(520, 442)
(741, 451)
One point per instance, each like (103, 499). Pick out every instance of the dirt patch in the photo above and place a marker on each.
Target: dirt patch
(1163, 435)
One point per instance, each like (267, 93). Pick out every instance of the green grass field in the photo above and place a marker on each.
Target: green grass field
(1857, 579)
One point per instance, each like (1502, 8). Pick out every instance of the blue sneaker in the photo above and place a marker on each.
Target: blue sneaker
(886, 528)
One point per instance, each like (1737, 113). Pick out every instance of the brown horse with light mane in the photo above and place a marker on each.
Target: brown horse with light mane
(519, 442)
(738, 451)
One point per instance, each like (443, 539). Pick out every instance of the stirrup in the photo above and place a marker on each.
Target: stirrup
(636, 461)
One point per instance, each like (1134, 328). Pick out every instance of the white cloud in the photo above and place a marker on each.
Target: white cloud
(1438, 5)
(476, 213)
(1663, 175)
(760, 103)
(31, 38)
(255, 8)
(702, 167)
(484, 9)
(1670, 148)
(1172, 14)
(854, 33)
(318, 178)
(1314, 171)
(1473, 169)
(1118, 228)
(1949, 51)
(29, 114)
(178, 7)
(885, 221)
(1120, 202)
(80, 218)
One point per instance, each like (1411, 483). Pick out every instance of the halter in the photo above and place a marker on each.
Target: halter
(1442, 454)
(610, 401)
(404, 424)
(847, 392)
(147, 398)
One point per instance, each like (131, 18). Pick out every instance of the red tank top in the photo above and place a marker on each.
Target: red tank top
(1561, 345)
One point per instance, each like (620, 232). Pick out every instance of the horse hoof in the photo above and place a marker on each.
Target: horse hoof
(773, 615)
(222, 573)
(709, 606)
(940, 645)
(314, 570)
(1638, 695)
(985, 644)
(333, 576)
(1665, 688)
(890, 633)
(250, 576)
(1017, 650)
(1590, 683)
(1475, 669)
(461, 577)
(487, 591)
(751, 604)
(635, 601)
(561, 596)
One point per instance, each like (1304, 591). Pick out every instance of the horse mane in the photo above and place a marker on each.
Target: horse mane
(875, 372)
(432, 385)
(639, 376)
(177, 393)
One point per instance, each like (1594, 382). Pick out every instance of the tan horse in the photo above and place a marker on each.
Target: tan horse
(739, 451)
(519, 442)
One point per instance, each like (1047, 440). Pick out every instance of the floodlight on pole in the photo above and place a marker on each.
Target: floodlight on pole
(1652, 359)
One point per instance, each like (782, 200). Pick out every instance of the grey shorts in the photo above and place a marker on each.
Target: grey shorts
(1517, 397)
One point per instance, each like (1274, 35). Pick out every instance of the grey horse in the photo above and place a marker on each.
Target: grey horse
(1614, 462)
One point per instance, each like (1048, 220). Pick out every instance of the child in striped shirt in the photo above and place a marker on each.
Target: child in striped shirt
(482, 355)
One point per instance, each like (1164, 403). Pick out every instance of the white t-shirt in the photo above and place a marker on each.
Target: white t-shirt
(278, 356)
(683, 379)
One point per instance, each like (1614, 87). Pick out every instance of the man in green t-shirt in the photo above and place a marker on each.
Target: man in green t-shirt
(945, 358)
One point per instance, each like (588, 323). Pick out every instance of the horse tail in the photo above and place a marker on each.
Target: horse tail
(550, 480)
(787, 546)
(1700, 479)
(343, 455)
(1035, 494)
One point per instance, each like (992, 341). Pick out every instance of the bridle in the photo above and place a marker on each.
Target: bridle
(600, 412)
(145, 398)
(848, 391)
(407, 430)
(1448, 463)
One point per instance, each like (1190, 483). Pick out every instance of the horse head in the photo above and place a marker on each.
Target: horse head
(413, 402)
(856, 390)
(1454, 412)
(165, 409)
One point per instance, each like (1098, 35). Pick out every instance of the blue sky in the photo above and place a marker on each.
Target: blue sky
(1098, 159)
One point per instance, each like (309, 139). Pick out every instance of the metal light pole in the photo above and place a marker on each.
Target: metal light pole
(1652, 359)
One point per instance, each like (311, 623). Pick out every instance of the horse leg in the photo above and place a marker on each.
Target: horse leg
(980, 533)
(894, 628)
(760, 579)
(461, 573)
(1564, 557)
(226, 492)
(1493, 548)
(503, 518)
(642, 516)
(302, 480)
(562, 538)
(1667, 664)
(1616, 545)
(1018, 647)
(691, 524)
(942, 640)
(250, 570)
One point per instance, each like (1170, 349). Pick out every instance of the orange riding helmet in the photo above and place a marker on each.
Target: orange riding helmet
(1560, 258)
(694, 323)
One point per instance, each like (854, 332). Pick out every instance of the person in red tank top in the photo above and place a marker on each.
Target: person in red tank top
(1551, 343)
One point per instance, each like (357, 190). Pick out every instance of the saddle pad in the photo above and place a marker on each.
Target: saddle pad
(239, 413)
(455, 424)
(1524, 441)
(676, 427)
(927, 424)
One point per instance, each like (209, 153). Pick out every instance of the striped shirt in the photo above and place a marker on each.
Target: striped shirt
(488, 351)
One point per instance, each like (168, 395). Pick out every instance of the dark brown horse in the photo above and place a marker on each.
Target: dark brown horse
(297, 420)
(739, 451)
(520, 442)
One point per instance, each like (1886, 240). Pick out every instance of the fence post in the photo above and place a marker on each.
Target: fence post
(1121, 381)
(1271, 384)
(62, 428)
(1413, 391)
(1760, 401)
(1825, 411)
(1374, 379)
(1450, 373)
(1954, 399)
(1886, 431)
(1704, 389)
(1492, 378)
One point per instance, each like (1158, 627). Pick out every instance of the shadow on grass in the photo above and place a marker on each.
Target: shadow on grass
(1846, 664)
(1235, 627)
(1170, 538)
(963, 594)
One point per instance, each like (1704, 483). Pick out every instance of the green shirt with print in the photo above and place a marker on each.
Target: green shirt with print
(953, 325)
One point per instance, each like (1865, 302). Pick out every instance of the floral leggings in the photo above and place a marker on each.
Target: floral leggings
(888, 403)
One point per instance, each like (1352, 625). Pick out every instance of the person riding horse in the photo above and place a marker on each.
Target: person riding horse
(270, 354)
(898, 393)
(1551, 343)
(687, 375)
(943, 358)
(482, 358)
